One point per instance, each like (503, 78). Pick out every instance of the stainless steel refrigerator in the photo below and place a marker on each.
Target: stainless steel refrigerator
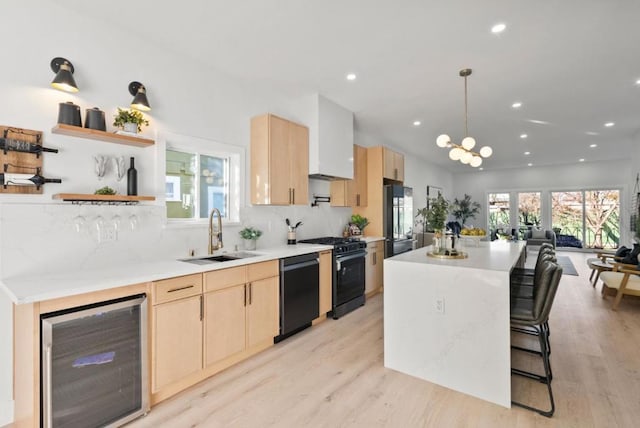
(398, 219)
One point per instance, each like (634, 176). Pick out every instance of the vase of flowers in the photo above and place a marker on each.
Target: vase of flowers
(250, 237)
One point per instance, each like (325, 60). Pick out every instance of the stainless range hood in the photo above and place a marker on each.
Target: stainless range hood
(330, 141)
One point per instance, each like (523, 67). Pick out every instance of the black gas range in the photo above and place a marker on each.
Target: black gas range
(348, 272)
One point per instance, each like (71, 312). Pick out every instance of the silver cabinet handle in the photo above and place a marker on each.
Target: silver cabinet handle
(46, 406)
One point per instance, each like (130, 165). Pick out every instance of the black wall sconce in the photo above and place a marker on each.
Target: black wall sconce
(64, 75)
(139, 92)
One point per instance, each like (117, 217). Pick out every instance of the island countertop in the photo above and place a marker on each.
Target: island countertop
(496, 255)
(447, 320)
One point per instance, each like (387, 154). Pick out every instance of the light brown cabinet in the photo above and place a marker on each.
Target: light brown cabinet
(352, 193)
(326, 281)
(241, 309)
(203, 323)
(279, 161)
(373, 267)
(177, 317)
(393, 165)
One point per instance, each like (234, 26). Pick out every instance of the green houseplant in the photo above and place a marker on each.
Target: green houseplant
(130, 116)
(359, 221)
(250, 235)
(437, 213)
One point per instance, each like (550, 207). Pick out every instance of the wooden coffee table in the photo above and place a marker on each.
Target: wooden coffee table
(599, 266)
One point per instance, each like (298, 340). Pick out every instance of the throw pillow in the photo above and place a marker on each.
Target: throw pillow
(538, 234)
(632, 257)
(622, 251)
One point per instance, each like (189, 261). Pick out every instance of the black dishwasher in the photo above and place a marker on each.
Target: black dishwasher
(299, 293)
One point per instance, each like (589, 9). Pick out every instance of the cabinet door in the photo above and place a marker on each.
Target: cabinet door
(326, 280)
(177, 341)
(263, 311)
(360, 176)
(378, 265)
(398, 162)
(280, 156)
(339, 193)
(298, 163)
(224, 330)
(370, 268)
(388, 168)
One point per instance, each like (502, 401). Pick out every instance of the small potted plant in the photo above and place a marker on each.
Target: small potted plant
(359, 222)
(250, 235)
(130, 120)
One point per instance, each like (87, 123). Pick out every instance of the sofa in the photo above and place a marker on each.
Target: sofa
(539, 237)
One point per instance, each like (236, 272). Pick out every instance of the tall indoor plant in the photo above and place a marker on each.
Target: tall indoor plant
(464, 209)
(437, 217)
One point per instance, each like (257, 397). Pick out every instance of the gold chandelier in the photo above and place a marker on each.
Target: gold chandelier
(464, 152)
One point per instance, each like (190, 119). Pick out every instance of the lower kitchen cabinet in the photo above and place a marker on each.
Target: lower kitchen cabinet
(177, 341)
(373, 267)
(263, 311)
(225, 323)
(326, 281)
(240, 317)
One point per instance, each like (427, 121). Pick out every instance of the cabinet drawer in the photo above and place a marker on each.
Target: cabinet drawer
(223, 278)
(262, 270)
(177, 288)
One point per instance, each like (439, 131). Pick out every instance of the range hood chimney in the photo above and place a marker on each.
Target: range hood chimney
(330, 141)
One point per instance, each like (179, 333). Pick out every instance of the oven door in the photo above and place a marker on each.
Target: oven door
(349, 282)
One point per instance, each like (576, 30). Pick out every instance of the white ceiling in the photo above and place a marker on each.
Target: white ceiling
(572, 63)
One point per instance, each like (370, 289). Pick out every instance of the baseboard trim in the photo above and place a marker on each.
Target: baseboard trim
(6, 412)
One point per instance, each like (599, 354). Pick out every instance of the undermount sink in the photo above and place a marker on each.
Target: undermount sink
(220, 258)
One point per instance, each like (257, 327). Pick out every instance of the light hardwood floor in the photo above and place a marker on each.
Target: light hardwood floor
(332, 375)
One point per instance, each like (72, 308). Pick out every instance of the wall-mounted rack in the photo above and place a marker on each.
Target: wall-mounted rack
(87, 198)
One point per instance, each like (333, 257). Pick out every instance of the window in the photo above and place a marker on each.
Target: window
(529, 211)
(586, 218)
(499, 212)
(201, 175)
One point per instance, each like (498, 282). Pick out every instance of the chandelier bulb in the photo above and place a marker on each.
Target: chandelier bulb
(486, 151)
(443, 140)
(476, 161)
(468, 143)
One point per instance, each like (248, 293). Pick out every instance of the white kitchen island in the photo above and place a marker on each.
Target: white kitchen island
(448, 322)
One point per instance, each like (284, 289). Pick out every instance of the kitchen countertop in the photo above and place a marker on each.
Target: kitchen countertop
(28, 289)
(368, 239)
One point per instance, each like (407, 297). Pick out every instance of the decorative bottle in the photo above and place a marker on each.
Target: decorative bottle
(132, 180)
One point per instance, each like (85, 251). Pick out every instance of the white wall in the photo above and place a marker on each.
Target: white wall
(186, 98)
(595, 175)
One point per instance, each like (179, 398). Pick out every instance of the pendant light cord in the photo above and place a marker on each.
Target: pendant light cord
(466, 116)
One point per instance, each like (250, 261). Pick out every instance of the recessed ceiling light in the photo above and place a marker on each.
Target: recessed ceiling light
(351, 76)
(417, 123)
(529, 164)
(593, 146)
(581, 160)
(527, 153)
(517, 104)
(591, 133)
(638, 82)
(609, 124)
(481, 169)
(498, 28)
(523, 136)
(538, 122)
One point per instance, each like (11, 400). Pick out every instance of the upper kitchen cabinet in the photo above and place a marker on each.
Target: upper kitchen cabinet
(279, 161)
(393, 168)
(352, 193)
(331, 140)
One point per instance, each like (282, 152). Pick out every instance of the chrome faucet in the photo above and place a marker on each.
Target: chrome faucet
(218, 234)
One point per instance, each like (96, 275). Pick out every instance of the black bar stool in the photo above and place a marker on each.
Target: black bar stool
(531, 316)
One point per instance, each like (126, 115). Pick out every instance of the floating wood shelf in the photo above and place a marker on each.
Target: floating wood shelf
(101, 199)
(94, 134)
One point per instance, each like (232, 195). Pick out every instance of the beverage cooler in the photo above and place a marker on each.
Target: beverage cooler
(398, 219)
(94, 371)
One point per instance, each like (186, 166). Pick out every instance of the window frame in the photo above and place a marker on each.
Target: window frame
(200, 146)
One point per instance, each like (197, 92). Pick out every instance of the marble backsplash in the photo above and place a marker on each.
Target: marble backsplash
(41, 238)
